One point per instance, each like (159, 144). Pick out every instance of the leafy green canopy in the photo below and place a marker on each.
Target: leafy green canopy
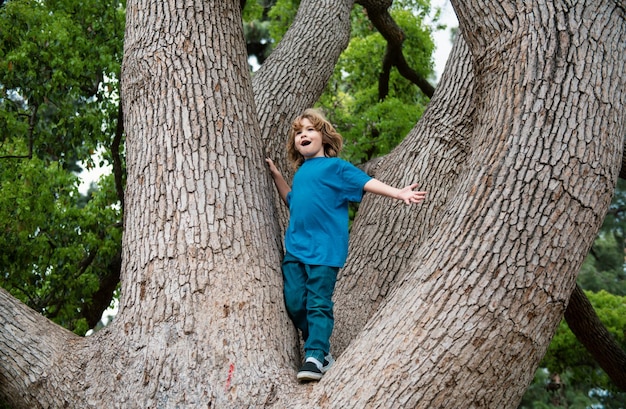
(59, 70)
(371, 124)
(56, 248)
(59, 64)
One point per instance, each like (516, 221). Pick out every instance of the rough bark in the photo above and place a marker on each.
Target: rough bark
(494, 277)
(32, 347)
(201, 278)
(471, 294)
(385, 236)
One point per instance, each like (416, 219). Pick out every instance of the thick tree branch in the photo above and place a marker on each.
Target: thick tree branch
(281, 85)
(283, 89)
(444, 130)
(585, 324)
(31, 349)
(378, 14)
(580, 314)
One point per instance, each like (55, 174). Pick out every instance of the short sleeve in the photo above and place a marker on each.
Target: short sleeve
(354, 180)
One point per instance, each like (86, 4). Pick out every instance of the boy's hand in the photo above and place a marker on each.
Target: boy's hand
(281, 184)
(408, 195)
(270, 164)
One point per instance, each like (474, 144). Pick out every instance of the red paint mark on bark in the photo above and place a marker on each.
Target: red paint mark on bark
(231, 371)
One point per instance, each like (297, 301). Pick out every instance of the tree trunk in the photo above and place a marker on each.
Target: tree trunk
(202, 276)
(201, 320)
(385, 236)
(520, 160)
(464, 319)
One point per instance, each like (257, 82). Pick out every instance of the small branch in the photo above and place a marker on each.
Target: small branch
(101, 299)
(385, 74)
(118, 171)
(29, 156)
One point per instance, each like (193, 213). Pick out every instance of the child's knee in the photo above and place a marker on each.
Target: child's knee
(296, 306)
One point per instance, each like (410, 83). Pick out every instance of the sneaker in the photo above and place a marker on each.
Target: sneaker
(310, 372)
(328, 362)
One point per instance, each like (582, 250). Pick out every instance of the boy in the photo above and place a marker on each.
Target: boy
(316, 240)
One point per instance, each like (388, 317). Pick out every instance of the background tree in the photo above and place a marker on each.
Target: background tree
(59, 76)
(196, 208)
(604, 267)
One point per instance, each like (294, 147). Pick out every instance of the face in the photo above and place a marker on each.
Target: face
(308, 141)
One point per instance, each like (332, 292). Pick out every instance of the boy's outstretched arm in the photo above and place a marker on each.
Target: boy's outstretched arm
(406, 194)
(279, 181)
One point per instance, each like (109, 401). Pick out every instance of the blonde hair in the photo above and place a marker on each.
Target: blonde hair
(331, 139)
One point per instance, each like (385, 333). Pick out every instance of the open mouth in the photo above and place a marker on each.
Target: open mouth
(305, 143)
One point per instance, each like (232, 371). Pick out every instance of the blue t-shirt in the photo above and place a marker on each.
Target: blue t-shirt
(318, 210)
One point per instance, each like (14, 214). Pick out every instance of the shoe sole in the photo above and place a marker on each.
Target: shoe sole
(309, 376)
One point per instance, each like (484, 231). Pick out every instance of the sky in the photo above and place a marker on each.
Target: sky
(89, 176)
(443, 45)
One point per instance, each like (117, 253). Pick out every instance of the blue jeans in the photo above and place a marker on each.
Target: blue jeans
(308, 291)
